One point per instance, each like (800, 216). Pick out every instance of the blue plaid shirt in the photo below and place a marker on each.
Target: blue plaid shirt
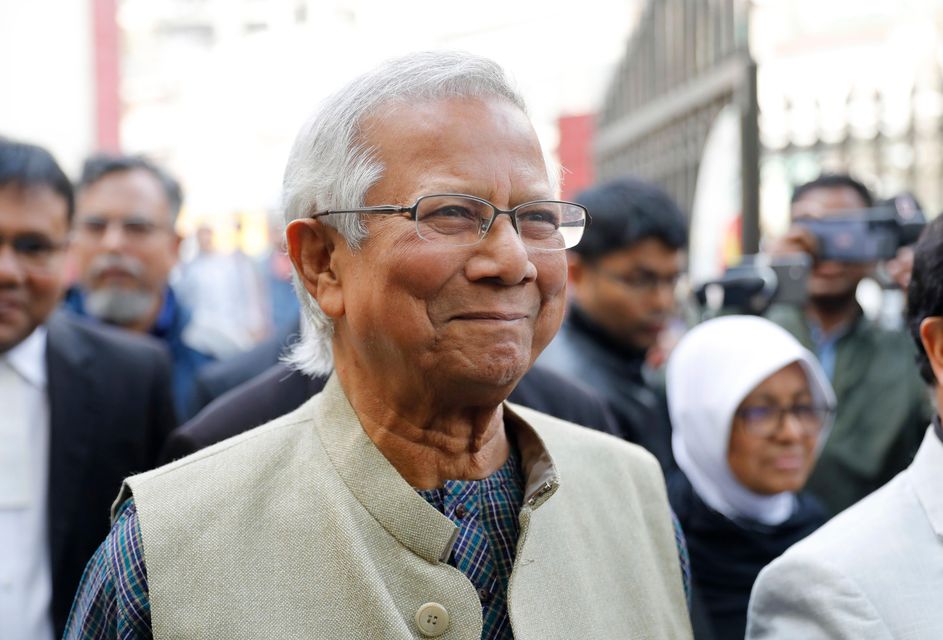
(486, 512)
(113, 600)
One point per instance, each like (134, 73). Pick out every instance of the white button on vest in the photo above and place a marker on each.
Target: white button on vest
(432, 619)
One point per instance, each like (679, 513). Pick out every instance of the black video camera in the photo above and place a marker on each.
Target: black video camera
(868, 235)
(755, 284)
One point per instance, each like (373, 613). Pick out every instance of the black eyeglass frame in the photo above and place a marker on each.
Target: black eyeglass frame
(485, 225)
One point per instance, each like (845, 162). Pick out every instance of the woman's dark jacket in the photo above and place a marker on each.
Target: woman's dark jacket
(726, 556)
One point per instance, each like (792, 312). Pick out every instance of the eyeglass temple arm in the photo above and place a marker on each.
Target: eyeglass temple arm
(377, 209)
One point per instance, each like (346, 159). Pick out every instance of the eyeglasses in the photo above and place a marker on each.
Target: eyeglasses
(461, 220)
(133, 227)
(34, 251)
(645, 282)
(764, 421)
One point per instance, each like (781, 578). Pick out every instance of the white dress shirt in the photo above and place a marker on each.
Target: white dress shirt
(25, 572)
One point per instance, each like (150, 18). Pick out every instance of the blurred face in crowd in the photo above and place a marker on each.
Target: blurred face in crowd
(416, 317)
(630, 293)
(830, 279)
(771, 451)
(124, 246)
(34, 228)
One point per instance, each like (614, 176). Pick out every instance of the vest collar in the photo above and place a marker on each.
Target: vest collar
(384, 493)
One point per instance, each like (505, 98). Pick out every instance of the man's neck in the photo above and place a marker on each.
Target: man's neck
(145, 323)
(832, 313)
(428, 446)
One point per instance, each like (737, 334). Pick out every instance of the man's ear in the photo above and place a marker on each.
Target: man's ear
(312, 249)
(931, 334)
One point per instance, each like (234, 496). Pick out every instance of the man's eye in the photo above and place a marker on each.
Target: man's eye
(452, 211)
(95, 225)
(137, 227)
(539, 216)
(32, 246)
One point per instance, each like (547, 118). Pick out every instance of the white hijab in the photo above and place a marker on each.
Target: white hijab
(712, 369)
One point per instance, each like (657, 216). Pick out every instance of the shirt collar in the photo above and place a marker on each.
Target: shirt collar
(28, 358)
(167, 315)
(397, 507)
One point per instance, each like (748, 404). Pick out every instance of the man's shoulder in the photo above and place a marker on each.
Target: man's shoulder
(854, 541)
(70, 331)
(867, 573)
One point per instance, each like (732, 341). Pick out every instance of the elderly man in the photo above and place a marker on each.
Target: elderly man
(875, 570)
(81, 406)
(406, 499)
(124, 248)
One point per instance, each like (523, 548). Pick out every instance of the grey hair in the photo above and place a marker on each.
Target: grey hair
(330, 166)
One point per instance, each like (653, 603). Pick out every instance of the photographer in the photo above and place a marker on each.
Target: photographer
(882, 407)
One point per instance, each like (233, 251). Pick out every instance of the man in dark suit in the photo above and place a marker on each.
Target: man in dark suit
(81, 407)
(281, 389)
(217, 378)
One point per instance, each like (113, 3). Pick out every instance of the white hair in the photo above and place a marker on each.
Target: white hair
(331, 167)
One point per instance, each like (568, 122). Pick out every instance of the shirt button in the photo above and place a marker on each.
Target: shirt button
(432, 619)
(460, 511)
(484, 595)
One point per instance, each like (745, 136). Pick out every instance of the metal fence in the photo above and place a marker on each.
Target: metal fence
(687, 60)
(893, 143)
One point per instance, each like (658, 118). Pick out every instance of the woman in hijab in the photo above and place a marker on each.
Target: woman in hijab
(749, 410)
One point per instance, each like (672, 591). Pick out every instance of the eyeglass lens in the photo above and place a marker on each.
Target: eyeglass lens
(463, 220)
(765, 420)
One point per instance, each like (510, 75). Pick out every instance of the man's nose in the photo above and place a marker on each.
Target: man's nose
(11, 271)
(501, 255)
(113, 237)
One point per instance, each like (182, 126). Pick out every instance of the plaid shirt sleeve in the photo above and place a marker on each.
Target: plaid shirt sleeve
(683, 556)
(112, 602)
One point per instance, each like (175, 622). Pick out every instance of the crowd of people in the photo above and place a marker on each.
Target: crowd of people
(466, 432)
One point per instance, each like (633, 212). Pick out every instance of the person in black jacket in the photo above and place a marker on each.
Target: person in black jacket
(750, 408)
(81, 406)
(622, 279)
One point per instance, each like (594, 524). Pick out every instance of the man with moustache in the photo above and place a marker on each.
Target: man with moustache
(81, 405)
(406, 499)
(124, 248)
(882, 405)
(622, 278)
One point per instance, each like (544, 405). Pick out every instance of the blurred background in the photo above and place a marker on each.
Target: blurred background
(726, 103)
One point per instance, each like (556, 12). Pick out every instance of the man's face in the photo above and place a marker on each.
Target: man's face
(420, 315)
(31, 279)
(828, 278)
(124, 245)
(629, 292)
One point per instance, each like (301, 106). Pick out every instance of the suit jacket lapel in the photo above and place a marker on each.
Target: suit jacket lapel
(74, 409)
